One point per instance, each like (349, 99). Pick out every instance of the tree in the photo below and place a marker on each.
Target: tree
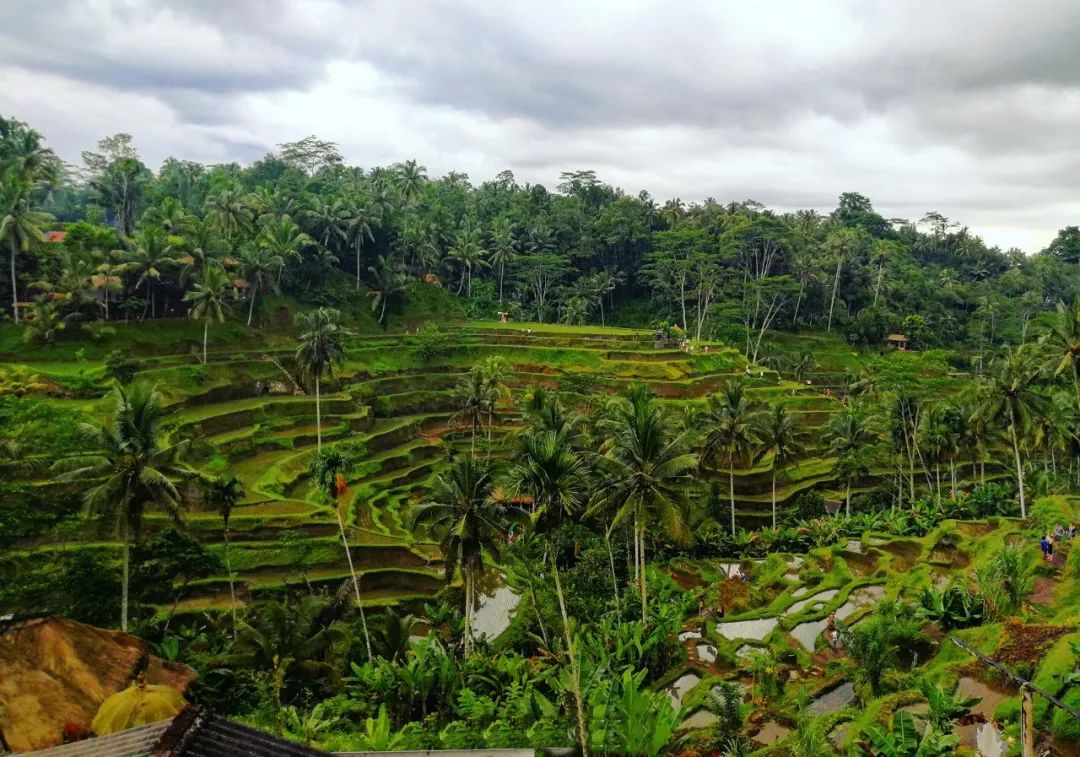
(229, 211)
(390, 280)
(474, 396)
(119, 188)
(409, 180)
(258, 265)
(1064, 339)
(1011, 399)
(646, 469)
(320, 349)
(20, 225)
(730, 435)
(127, 470)
(467, 522)
(283, 238)
(780, 438)
(849, 432)
(329, 469)
(469, 254)
(503, 249)
(224, 494)
(358, 219)
(207, 299)
(149, 253)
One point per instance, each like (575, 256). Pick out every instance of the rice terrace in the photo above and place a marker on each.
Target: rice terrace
(302, 457)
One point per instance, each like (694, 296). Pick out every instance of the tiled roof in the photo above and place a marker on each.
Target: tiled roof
(134, 741)
(192, 733)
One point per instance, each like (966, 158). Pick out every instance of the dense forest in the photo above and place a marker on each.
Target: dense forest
(372, 460)
(137, 243)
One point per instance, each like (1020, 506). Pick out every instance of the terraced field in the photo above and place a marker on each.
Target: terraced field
(394, 408)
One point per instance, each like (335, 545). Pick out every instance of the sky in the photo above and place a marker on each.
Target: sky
(966, 108)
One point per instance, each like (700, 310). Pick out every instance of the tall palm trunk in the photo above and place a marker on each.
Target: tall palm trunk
(847, 499)
(14, 279)
(644, 579)
(1019, 466)
(125, 579)
(468, 611)
(205, 332)
(774, 495)
(575, 669)
(836, 283)
(355, 578)
(251, 307)
(611, 560)
(358, 267)
(731, 492)
(502, 270)
(232, 583)
(318, 415)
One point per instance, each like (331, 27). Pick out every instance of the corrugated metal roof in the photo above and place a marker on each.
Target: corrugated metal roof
(134, 742)
(218, 737)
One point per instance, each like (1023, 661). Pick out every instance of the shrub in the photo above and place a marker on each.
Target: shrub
(431, 341)
(120, 367)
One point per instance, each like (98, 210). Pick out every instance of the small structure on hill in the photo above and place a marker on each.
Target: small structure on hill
(899, 341)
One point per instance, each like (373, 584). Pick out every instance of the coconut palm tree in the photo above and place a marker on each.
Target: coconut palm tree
(495, 370)
(473, 396)
(503, 249)
(319, 350)
(20, 225)
(390, 280)
(224, 494)
(282, 237)
(229, 211)
(647, 470)
(409, 179)
(127, 470)
(469, 254)
(258, 266)
(208, 299)
(202, 248)
(358, 219)
(782, 439)
(149, 253)
(848, 432)
(602, 283)
(1064, 339)
(1010, 400)
(329, 469)
(467, 522)
(730, 421)
(329, 221)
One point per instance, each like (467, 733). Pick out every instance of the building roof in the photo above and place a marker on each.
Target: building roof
(193, 733)
(55, 236)
(896, 338)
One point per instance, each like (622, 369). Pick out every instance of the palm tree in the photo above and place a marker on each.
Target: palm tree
(150, 252)
(202, 248)
(602, 283)
(469, 254)
(329, 220)
(258, 265)
(1010, 400)
(358, 219)
(467, 522)
(781, 438)
(229, 211)
(390, 280)
(495, 370)
(474, 396)
(503, 249)
(20, 225)
(320, 349)
(848, 432)
(940, 438)
(127, 471)
(1064, 339)
(329, 469)
(730, 422)
(208, 299)
(224, 494)
(409, 180)
(283, 238)
(647, 470)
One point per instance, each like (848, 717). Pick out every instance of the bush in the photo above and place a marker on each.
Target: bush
(120, 367)
(431, 342)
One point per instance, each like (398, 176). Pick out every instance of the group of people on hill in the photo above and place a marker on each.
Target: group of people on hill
(1050, 538)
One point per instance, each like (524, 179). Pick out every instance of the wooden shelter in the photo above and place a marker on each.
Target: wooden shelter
(899, 341)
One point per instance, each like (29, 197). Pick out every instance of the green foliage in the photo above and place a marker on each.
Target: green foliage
(431, 342)
(906, 739)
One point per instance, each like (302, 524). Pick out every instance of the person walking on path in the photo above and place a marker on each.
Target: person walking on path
(1044, 544)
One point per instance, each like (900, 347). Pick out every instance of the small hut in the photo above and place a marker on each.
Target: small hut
(899, 341)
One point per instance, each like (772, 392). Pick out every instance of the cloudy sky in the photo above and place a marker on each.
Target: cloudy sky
(968, 108)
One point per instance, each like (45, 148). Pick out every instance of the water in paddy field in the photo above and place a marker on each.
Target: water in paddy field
(831, 701)
(747, 629)
(682, 687)
(493, 612)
